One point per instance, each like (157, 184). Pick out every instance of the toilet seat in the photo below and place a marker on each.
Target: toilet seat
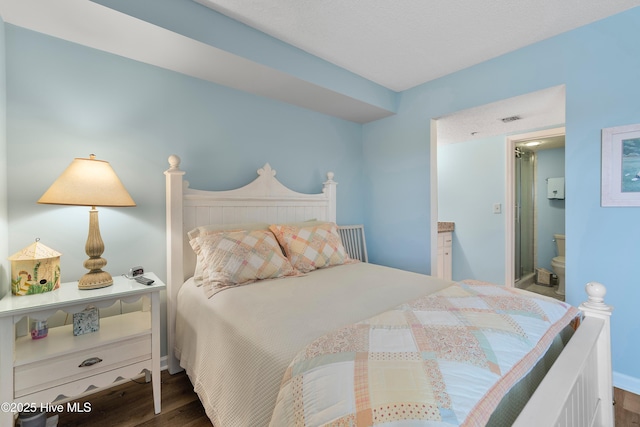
(558, 261)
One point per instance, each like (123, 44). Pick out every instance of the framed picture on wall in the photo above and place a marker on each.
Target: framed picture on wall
(621, 166)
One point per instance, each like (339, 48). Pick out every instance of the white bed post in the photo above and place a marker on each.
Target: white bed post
(596, 308)
(175, 272)
(578, 389)
(329, 189)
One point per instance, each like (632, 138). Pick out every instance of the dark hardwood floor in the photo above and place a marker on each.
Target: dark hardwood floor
(627, 408)
(131, 405)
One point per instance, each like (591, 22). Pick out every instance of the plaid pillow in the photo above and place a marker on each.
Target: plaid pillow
(309, 248)
(236, 257)
(216, 228)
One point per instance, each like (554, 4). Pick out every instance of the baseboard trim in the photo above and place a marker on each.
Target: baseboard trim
(626, 383)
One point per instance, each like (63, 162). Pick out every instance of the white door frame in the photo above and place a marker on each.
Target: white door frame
(509, 205)
(433, 177)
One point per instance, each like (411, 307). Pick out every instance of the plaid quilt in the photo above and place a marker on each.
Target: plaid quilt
(445, 359)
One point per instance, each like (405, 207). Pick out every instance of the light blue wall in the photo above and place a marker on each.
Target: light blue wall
(396, 161)
(4, 225)
(66, 101)
(471, 178)
(550, 212)
(599, 64)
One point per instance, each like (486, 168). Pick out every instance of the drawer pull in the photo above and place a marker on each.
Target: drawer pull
(90, 362)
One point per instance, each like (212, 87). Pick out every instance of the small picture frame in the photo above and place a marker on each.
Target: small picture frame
(620, 184)
(86, 321)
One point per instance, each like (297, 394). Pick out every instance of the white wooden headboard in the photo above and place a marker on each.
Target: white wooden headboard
(263, 200)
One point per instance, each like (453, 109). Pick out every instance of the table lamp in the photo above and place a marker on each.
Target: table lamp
(90, 182)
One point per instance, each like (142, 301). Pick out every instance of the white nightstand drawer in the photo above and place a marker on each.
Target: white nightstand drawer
(41, 375)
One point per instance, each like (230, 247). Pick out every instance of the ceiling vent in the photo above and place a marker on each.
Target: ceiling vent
(510, 119)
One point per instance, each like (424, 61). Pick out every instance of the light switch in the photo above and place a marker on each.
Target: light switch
(497, 208)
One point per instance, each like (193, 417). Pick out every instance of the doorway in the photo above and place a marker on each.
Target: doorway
(481, 134)
(533, 216)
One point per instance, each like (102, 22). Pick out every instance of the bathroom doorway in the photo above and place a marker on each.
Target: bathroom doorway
(536, 158)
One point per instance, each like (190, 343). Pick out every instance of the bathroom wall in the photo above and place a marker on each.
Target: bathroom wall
(550, 212)
(470, 180)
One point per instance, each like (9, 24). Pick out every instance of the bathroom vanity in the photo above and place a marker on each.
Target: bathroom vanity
(445, 254)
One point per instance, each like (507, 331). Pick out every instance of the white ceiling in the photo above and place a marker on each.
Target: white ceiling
(401, 44)
(536, 110)
(542, 143)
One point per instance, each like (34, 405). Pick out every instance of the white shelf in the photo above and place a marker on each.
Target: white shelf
(71, 299)
(60, 340)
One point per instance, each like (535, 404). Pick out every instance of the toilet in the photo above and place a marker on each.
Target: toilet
(557, 264)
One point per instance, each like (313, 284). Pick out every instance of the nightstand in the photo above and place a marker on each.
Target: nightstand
(36, 372)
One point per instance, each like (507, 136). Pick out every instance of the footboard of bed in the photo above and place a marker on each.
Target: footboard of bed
(578, 389)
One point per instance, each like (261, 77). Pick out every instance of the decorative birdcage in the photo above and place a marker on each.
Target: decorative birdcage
(35, 270)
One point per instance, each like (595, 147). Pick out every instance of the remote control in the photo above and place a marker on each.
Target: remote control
(143, 280)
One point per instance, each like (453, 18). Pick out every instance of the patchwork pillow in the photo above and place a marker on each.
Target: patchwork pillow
(216, 228)
(231, 258)
(311, 247)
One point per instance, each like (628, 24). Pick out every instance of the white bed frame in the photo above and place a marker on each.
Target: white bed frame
(576, 392)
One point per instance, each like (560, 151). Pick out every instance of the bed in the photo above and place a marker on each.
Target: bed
(285, 349)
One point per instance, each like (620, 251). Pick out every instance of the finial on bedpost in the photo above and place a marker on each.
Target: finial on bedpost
(596, 292)
(329, 189)
(175, 186)
(174, 162)
(596, 308)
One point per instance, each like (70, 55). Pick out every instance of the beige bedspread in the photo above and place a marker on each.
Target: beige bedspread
(237, 345)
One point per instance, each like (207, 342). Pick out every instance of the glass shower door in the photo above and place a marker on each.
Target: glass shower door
(524, 211)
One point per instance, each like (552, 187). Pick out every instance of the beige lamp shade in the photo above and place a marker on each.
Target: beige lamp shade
(90, 182)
